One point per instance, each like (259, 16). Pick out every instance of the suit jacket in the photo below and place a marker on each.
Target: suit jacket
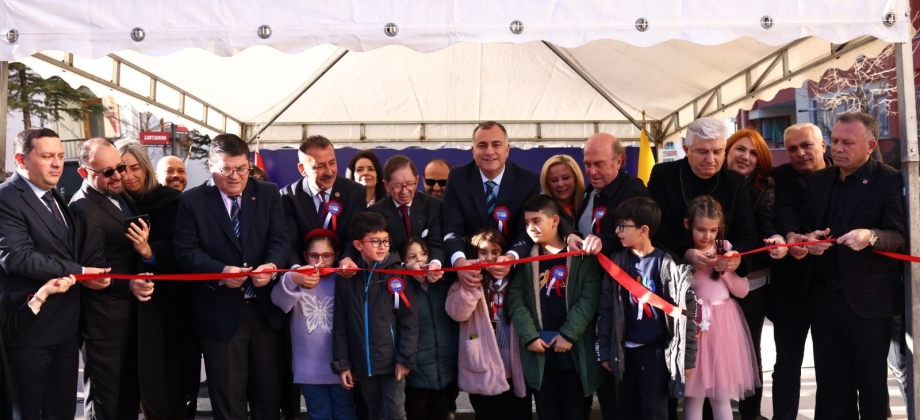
(35, 248)
(787, 283)
(206, 243)
(871, 282)
(425, 217)
(301, 215)
(464, 210)
(622, 188)
(101, 241)
(669, 185)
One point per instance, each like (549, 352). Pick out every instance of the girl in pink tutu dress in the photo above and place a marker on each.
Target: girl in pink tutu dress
(726, 367)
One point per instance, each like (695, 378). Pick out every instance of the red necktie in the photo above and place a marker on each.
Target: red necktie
(406, 222)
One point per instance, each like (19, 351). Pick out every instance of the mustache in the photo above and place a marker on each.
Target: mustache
(326, 177)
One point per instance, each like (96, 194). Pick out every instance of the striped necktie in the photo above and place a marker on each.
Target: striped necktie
(490, 196)
(235, 215)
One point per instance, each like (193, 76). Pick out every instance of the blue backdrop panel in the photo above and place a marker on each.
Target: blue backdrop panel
(281, 164)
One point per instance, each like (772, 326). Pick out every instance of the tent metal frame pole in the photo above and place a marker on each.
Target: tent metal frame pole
(150, 98)
(910, 170)
(4, 93)
(341, 53)
(579, 70)
(759, 77)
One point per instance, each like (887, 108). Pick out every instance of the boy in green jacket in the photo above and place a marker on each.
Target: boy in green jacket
(552, 305)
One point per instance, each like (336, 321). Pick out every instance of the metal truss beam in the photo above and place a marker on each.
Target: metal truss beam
(756, 81)
(151, 96)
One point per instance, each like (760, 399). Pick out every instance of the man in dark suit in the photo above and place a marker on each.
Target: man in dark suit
(596, 220)
(609, 186)
(674, 184)
(498, 189)
(100, 209)
(853, 292)
(411, 214)
(37, 244)
(788, 310)
(231, 224)
(322, 199)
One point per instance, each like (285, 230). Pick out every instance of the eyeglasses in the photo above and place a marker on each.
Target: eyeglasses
(377, 243)
(623, 226)
(404, 186)
(315, 256)
(441, 182)
(109, 172)
(242, 171)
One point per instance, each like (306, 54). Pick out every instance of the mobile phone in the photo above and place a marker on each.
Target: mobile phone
(136, 219)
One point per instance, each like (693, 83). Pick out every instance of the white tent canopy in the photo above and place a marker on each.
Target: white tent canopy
(574, 69)
(422, 73)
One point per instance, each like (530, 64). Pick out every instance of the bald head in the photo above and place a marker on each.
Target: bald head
(603, 158)
(171, 173)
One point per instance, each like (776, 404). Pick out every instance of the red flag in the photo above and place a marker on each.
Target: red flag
(258, 159)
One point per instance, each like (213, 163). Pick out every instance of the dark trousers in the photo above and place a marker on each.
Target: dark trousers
(789, 333)
(504, 406)
(606, 397)
(385, 396)
(422, 404)
(290, 392)
(242, 369)
(644, 388)
(754, 306)
(44, 380)
(110, 378)
(560, 396)
(179, 413)
(850, 358)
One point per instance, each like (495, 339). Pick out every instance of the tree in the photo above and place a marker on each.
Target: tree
(199, 147)
(48, 99)
(865, 87)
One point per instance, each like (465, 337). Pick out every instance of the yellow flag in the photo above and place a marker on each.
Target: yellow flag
(646, 158)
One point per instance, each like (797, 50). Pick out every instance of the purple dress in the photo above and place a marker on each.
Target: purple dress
(311, 328)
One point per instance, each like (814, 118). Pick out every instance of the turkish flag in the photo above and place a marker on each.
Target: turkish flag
(259, 162)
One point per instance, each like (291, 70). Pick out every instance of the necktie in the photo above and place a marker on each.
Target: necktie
(321, 211)
(587, 216)
(406, 222)
(48, 198)
(490, 196)
(124, 207)
(235, 215)
(248, 289)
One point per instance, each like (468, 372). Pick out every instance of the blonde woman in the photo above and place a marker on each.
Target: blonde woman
(561, 179)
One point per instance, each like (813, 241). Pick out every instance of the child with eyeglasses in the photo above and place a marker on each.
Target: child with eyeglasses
(309, 298)
(375, 322)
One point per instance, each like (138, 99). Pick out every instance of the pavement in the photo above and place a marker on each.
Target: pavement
(768, 351)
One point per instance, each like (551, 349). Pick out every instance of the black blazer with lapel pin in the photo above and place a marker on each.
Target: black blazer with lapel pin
(206, 243)
(35, 248)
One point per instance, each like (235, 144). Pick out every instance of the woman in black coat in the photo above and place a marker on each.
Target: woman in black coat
(168, 356)
(747, 154)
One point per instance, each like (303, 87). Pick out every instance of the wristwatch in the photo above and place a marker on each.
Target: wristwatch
(873, 238)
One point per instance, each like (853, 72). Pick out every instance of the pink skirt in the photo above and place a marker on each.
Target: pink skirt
(726, 366)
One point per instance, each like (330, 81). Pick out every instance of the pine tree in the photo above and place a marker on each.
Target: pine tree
(48, 99)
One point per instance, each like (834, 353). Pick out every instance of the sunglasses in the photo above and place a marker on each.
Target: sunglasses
(441, 182)
(111, 171)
